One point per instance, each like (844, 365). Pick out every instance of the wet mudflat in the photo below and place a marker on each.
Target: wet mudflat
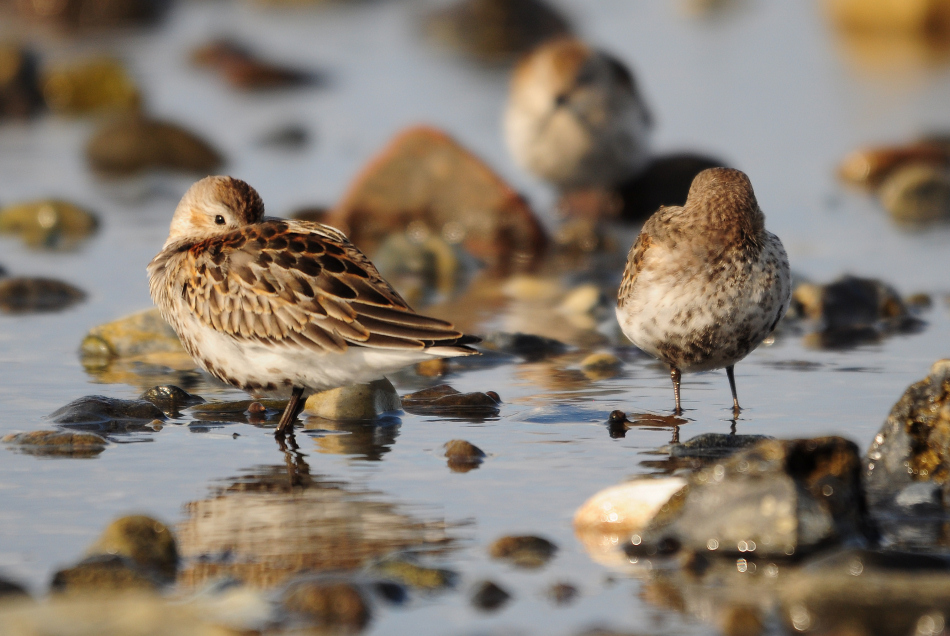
(773, 90)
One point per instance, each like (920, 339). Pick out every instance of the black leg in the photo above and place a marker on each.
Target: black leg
(675, 376)
(294, 406)
(732, 385)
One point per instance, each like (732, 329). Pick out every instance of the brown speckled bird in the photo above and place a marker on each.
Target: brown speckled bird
(278, 307)
(705, 283)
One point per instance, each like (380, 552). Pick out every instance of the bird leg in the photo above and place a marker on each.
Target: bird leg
(730, 371)
(294, 406)
(675, 376)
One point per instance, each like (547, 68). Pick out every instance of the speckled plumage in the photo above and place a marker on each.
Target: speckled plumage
(270, 305)
(705, 283)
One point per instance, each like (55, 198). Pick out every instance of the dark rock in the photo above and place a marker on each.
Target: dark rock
(50, 223)
(562, 593)
(391, 592)
(107, 415)
(33, 295)
(93, 15)
(244, 70)
(776, 499)
(135, 144)
(317, 214)
(291, 137)
(426, 180)
(463, 456)
(496, 31)
(19, 85)
(336, 604)
(525, 345)
(445, 401)
(10, 590)
(57, 443)
(917, 194)
(171, 399)
(489, 597)
(618, 423)
(710, 446)
(146, 542)
(104, 573)
(524, 551)
(95, 85)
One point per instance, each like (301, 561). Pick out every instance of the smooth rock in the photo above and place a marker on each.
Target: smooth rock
(463, 456)
(665, 181)
(57, 443)
(433, 368)
(135, 144)
(107, 415)
(12, 591)
(528, 346)
(489, 597)
(913, 445)
(625, 508)
(870, 167)
(244, 70)
(95, 85)
(49, 223)
(776, 499)
(290, 137)
(93, 15)
(336, 604)
(496, 31)
(917, 193)
(171, 398)
(355, 402)
(583, 299)
(524, 551)
(445, 401)
(711, 446)
(145, 541)
(532, 288)
(416, 576)
(140, 334)
(104, 573)
(420, 264)
(36, 295)
(426, 177)
(920, 17)
(20, 96)
(562, 593)
(601, 366)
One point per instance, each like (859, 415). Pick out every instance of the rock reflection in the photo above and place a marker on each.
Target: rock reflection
(277, 520)
(361, 439)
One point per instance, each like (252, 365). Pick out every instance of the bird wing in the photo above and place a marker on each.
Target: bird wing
(305, 283)
(656, 232)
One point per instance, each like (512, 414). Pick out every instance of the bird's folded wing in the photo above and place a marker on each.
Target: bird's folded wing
(303, 283)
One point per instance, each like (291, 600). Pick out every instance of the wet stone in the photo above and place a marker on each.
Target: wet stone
(145, 541)
(871, 167)
(139, 334)
(171, 398)
(107, 415)
(463, 456)
(423, 266)
(776, 499)
(355, 402)
(244, 70)
(336, 604)
(49, 223)
(489, 597)
(445, 401)
(496, 31)
(20, 95)
(292, 137)
(57, 443)
(917, 194)
(562, 593)
(91, 86)
(416, 576)
(665, 181)
(712, 446)
(135, 144)
(37, 295)
(524, 551)
(528, 346)
(104, 573)
(11, 591)
(93, 15)
(601, 366)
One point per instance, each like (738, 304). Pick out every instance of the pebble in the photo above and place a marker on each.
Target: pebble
(145, 541)
(496, 31)
(917, 193)
(104, 573)
(171, 398)
(870, 167)
(532, 288)
(562, 593)
(601, 366)
(463, 456)
(107, 415)
(20, 96)
(292, 137)
(48, 223)
(434, 368)
(489, 597)
(246, 71)
(355, 402)
(136, 335)
(915, 17)
(37, 295)
(134, 144)
(92, 15)
(421, 267)
(416, 576)
(91, 86)
(57, 443)
(583, 299)
(445, 401)
(335, 604)
(525, 551)
(425, 180)
(625, 508)
(528, 346)
(12, 591)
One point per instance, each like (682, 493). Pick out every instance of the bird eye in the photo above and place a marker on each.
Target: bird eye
(219, 220)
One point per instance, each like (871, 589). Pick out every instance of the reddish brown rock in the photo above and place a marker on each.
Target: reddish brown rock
(246, 71)
(89, 14)
(425, 178)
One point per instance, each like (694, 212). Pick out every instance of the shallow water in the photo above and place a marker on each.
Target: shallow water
(767, 86)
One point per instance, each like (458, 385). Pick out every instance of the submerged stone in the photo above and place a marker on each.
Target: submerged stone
(446, 401)
(147, 542)
(562, 593)
(171, 398)
(48, 223)
(57, 443)
(524, 551)
(107, 415)
(355, 402)
(463, 456)
(37, 295)
(489, 597)
(416, 576)
(140, 334)
(528, 346)
(336, 604)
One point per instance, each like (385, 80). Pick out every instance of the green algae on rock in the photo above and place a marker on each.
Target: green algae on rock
(525, 551)
(416, 576)
(136, 335)
(57, 443)
(48, 223)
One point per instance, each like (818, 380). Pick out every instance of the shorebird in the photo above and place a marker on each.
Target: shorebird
(575, 117)
(277, 307)
(705, 283)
